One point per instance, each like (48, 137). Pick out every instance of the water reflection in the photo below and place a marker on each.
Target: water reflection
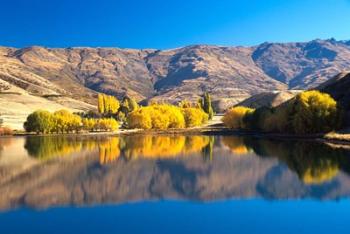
(314, 163)
(110, 148)
(61, 170)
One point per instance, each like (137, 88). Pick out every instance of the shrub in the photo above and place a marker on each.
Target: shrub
(194, 117)
(106, 124)
(5, 131)
(234, 118)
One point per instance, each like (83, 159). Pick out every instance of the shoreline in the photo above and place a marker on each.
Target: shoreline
(334, 138)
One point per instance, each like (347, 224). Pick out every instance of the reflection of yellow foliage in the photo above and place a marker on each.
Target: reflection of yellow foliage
(164, 146)
(319, 175)
(48, 147)
(147, 146)
(109, 150)
(236, 145)
(156, 117)
(195, 144)
(155, 146)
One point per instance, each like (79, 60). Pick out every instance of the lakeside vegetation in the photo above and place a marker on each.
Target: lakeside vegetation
(113, 113)
(4, 130)
(310, 112)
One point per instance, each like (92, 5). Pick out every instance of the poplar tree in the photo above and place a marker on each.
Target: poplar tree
(205, 103)
(101, 104)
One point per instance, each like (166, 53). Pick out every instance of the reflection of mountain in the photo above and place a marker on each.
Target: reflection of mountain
(84, 180)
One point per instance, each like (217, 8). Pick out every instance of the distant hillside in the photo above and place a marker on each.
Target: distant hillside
(230, 74)
(268, 99)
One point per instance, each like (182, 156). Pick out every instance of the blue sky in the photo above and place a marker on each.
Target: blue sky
(167, 24)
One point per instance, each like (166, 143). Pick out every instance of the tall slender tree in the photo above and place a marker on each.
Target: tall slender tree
(101, 104)
(205, 103)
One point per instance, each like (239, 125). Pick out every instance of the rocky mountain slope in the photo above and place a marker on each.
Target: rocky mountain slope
(231, 74)
(339, 88)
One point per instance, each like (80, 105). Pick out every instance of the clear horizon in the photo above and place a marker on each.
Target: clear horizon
(166, 25)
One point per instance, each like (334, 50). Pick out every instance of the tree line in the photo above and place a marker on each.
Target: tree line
(111, 112)
(309, 112)
(63, 121)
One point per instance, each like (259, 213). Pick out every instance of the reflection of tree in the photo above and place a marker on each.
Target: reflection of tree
(149, 146)
(235, 144)
(109, 150)
(207, 151)
(48, 147)
(314, 163)
(5, 142)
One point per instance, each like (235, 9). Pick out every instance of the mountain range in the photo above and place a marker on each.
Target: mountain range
(39, 77)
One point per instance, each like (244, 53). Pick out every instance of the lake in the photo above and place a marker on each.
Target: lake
(172, 184)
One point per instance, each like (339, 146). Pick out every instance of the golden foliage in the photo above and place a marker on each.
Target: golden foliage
(65, 121)
(309, 112)
(315, 112)
(156, 117)
(140, 118)
(234, 118)
(107, 104)
(194, 117)
(106, 124)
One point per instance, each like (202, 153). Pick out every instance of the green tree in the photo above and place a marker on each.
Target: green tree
(128, 105)
(206, 105)
(40, 121)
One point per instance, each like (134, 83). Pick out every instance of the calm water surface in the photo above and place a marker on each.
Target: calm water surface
(172, 184)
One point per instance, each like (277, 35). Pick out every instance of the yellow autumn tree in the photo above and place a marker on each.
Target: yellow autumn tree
(66, 121)
(315, 112)
(101, 105)
(194, 116)
(156, 116)
(106, 124)
(107, 104)
(234, 117)
(89, 124)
